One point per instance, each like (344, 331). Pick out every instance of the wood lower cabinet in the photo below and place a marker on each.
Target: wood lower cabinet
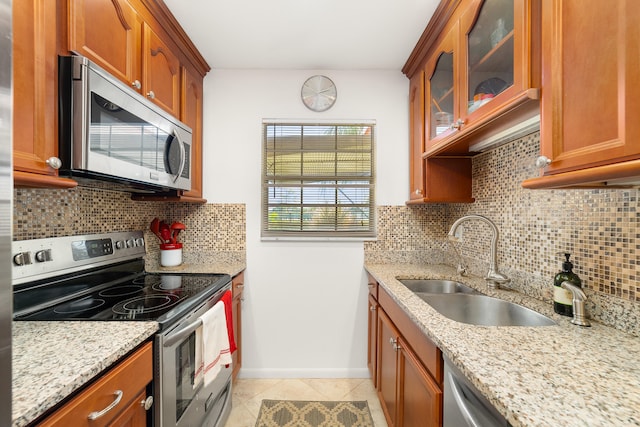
(409, 367)
(237, 284)
(35, 100)
(130, 378)
(591, 94)
(419, 396)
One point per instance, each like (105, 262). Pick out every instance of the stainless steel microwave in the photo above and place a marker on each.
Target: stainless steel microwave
(108, 133)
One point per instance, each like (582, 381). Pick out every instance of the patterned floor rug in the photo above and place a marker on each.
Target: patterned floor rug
(296, 413)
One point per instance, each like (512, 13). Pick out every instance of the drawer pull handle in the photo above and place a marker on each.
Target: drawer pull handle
(97, 414)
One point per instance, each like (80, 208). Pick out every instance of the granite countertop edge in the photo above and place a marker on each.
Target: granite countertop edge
(534, 376)
(52, 360)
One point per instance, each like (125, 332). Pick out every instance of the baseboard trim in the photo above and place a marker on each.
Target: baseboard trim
(303, 373)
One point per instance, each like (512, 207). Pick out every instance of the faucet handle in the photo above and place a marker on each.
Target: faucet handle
(579, 297)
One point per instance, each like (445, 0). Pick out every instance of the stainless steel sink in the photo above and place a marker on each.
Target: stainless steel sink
(435, 286)
(482, 310)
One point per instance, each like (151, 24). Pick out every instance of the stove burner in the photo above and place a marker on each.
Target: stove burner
(145, 304)
(85, 304)
(120, 291)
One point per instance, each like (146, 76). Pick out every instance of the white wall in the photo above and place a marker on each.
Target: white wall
(305, 304)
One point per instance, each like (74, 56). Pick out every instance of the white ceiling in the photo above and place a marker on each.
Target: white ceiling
(304, 34)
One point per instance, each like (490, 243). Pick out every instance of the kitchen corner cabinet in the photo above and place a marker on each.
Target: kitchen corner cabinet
(589, 131)
(481, 65)
(409, 367)
(129, 377)
(237, 285)
(35, 100)
(432, 179)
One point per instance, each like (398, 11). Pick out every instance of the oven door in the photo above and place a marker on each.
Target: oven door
(181, 404)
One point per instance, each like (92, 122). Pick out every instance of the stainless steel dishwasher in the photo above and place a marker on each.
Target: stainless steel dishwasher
(464, 405)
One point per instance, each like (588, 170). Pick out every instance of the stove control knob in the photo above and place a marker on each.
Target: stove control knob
(140, 241)
(130, 243)
(23, 258)
(119, 244)
(43, 255)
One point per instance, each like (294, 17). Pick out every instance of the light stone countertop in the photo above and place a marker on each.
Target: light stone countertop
(53, 359)
(562, 375)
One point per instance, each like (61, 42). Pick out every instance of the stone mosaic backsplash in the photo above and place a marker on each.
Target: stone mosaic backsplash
(600, 228)
(40, 213)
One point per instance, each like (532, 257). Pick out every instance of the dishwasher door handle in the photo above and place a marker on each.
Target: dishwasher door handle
(466, 412)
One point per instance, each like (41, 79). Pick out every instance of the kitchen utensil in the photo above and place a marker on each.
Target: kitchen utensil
(176, 227)
(155, 228)
(165, 232)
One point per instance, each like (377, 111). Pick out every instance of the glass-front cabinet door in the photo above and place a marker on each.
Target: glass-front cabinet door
(490, 53)
(441, 91)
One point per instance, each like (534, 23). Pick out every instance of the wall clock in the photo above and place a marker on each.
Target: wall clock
(319, 93)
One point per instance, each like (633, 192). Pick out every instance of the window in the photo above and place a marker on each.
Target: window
(318, 180)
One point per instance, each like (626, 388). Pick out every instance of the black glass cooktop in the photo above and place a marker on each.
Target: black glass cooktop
(119, 292)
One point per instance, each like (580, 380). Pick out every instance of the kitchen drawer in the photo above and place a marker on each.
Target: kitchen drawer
(426, 351)
(130, 376)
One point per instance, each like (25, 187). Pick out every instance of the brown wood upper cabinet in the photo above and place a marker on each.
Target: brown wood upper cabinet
(35, 102)
(436, 180)
(589, 130)
(481, 65)
(140, 43)
(114, 35)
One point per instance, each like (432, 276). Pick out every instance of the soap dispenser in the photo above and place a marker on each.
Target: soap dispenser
(562, 298)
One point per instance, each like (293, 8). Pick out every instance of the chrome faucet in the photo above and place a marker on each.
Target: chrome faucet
(494, 278)
(579, 316)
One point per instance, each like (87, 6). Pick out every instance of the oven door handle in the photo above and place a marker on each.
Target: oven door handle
(182, 333)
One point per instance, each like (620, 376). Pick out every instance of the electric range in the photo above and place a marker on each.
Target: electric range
(101, 277)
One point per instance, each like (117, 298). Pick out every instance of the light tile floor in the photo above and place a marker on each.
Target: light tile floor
(248, 395)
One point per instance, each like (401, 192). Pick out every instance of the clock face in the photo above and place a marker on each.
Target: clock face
(319, 93)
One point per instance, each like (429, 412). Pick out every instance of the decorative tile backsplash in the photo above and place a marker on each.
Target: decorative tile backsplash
(600, 228)
(40, 213)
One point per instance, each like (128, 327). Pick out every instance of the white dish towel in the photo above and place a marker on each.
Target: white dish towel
(212, 345)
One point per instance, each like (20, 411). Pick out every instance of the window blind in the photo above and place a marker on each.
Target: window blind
(318, 180)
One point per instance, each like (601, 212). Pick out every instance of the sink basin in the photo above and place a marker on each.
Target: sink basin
(482, 310)
(434, 286)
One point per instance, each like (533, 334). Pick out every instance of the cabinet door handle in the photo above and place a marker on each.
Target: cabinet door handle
(136, 84)
(394, 344)
(97, 414)
(542, 161)
(151, 95)
(457, 124)
(373, 308)
(418, 192)
(147, 403)
(54, 162)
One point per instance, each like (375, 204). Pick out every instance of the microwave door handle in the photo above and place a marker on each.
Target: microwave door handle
(183, 160)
